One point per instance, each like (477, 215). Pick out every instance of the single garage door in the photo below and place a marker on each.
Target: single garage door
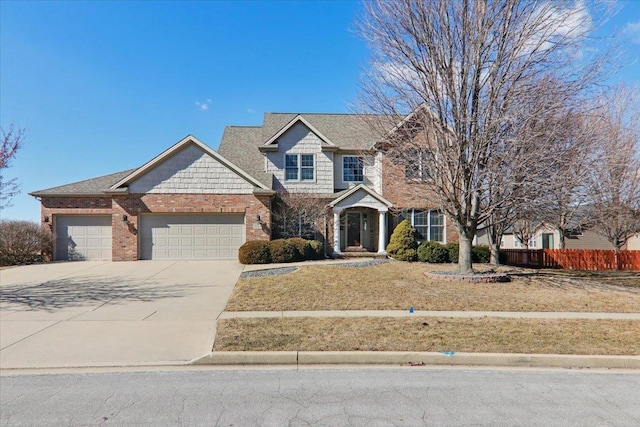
(191, 236)
(82, 237)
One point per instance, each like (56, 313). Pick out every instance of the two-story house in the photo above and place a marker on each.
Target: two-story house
(191, 202)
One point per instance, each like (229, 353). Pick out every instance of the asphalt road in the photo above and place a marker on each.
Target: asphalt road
(323, 397)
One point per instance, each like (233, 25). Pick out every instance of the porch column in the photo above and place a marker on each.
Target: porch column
(382, 232)
(336, 230)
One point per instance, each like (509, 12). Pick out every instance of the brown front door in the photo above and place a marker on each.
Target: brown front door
(353, 229)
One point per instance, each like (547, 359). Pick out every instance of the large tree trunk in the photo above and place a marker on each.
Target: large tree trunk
(495, 254)
(464, 255)
(494, 247)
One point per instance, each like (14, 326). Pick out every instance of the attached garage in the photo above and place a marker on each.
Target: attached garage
(191, 236)
(82, 237)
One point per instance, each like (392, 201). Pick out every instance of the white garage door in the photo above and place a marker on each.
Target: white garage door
(82, 237)
(191, 236)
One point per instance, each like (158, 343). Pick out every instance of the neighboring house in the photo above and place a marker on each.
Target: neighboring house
(191, 202)
(633, 243)
(546, 237)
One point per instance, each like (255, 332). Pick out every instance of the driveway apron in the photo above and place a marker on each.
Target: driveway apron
(79, 314)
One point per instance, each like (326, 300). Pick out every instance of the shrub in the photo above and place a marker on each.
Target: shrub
(317, 249)
(480, 254)
(454, 251)
(303, 248)
(24, 242)
(282, 251)
(255, 252)
(402, 245)
(432, 252)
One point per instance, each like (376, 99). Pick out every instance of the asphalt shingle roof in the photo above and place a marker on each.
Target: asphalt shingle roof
(91, 186)
(240, 143)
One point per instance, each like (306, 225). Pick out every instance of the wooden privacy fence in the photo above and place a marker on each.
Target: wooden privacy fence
(572, 259)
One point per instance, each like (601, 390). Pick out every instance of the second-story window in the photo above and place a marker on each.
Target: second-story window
(352, 169)
(299, 167)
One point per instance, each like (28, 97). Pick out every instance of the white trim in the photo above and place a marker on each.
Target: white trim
(289, 125)
(367, 190)
(189, 139)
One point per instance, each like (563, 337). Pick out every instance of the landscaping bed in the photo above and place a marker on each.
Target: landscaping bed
(479, 335)
(400, 285)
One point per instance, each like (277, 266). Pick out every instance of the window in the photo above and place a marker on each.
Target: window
(298, 166)
(429, 225)
(306, 167)
(416, 165)
(352, 169)
(421, 224)
(436, 226)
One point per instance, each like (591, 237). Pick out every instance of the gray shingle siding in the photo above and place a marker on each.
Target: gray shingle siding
(191, 171)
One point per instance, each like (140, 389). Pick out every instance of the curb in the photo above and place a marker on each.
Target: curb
(416, 359)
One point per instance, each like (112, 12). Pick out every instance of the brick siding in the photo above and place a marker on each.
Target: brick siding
(125, 234)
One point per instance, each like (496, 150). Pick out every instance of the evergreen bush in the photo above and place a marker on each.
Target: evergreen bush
(454, 251)
(255, 252)
(282, 250)
(432, 252)
(481, 254)
(402, 245)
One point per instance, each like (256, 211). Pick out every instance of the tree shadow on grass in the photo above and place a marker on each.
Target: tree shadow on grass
(603, 281)
(81, 291)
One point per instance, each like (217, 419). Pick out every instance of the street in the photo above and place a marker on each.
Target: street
(408, 396)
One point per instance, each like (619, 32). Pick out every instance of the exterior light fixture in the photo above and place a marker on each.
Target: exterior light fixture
(125, 218)
(46, 218)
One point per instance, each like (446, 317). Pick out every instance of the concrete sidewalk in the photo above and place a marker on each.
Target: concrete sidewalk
(80, 314)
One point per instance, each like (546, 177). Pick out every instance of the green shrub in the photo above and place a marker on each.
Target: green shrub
(432, 252)
(303, 248)
(255, 252)
(402, 245)
(317, 249)
(282, 251)
(480, 254)
(24, 242)
(454, 251)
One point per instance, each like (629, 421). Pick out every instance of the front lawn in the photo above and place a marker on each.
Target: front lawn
(399, 286)
(484, 335)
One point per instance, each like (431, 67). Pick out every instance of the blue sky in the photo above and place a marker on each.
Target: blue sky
(106, 86)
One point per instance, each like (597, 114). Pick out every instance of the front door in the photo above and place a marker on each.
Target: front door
(547, 241)
(353, 229)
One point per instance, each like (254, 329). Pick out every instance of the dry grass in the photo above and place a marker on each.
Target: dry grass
(491, 335)
(398, 286)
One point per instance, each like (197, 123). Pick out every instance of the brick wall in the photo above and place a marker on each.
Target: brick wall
(406, 194)
(125, 234)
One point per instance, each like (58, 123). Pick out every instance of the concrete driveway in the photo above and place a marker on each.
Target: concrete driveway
(78, 314)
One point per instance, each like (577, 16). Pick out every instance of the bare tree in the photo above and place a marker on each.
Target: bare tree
(12, 141)
(465, 70)
(298, 215)
(614, 184)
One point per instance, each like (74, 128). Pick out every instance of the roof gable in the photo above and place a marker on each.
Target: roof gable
(292, 123)
(361, 195)
(179, 150)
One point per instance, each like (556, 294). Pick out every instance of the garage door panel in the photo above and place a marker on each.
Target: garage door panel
(193, 236)
(82, 237)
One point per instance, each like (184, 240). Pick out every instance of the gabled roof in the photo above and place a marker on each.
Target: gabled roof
(241, 144)
(361, 187)
(88, 187)
(293, 122)
(189, 139)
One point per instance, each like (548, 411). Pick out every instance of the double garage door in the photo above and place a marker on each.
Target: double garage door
(191, 236)
(168, 237)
